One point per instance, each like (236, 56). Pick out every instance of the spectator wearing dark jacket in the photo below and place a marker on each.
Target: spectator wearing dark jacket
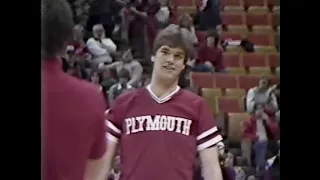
(210, 56)
(261, 128)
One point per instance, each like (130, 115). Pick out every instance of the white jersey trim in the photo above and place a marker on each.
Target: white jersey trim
(207, 133)
(210, 142)
(113, 127)
(164, 99)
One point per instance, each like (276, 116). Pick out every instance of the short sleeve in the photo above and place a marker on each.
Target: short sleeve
(99, 144)
(113, 122)
(207, 132)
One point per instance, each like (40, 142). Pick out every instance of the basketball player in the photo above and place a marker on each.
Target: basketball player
(161, 127)
(73, 133)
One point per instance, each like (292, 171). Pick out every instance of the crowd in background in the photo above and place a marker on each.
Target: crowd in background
(111, 48)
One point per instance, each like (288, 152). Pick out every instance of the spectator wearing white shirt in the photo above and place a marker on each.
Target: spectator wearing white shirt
(100, 47)
(261, 94)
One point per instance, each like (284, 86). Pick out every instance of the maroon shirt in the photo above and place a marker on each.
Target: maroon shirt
(72, 123)
(160, 137)
(213, 55)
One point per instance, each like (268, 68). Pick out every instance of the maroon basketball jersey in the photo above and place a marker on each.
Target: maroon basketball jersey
(159, 138)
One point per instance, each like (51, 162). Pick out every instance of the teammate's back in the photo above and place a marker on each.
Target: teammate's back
(72, 124)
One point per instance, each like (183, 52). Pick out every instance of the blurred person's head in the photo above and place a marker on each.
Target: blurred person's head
(123, 76)
(171, 50)
(78, 32)
(56, 27)
(98, 31)
(264, 83)
(212, 38)
(127, 56)
(95, 78)
(229, 160)
(185, 21)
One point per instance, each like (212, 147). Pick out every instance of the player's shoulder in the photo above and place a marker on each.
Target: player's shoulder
(192, 98)
(129, 96)
(83, 89)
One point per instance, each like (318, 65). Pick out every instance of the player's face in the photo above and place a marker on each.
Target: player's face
(169, 62)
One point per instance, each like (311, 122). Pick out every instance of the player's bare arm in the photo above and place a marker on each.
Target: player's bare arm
(210, 164)
(208, 138)
(113, 125)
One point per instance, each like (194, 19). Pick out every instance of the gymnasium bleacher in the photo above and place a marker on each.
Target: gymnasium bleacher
(258, 21)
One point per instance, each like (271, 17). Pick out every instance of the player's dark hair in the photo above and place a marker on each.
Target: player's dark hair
(56, 27)
(123, 73)
(173, 37)
(214, 33)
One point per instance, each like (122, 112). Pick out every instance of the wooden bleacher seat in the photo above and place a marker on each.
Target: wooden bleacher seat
(260, 71)
(235, 92)
(225, 80)
(236, 70)
(254, 60)
(230, 104)
(235, 128)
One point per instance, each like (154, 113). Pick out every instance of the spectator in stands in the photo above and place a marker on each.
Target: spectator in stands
(143, 27)
(134, 67)
(101, 12)
(273, 168)
(121, 86)
(261, 94)
(260, 129)
(115, 172)
(186, 24)
(163, 14)
(69, 63)
(107, 79)
(209, 12)
(210, 56)
(80, 50)
(100, 47)
(95, 79)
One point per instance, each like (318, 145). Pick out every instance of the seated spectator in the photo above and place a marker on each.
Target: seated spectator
(261, 94)
(185, 23)
(115, 172)
(80, 51)
(259, 130)
(209, 12)
(95, 78)
(143, 27)
(70, 65)
(227, 165)
(121, 86)
(210, 56)
(107, 79)
(163, 14)
(134, 67)
(100, 47)
(273, 168)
